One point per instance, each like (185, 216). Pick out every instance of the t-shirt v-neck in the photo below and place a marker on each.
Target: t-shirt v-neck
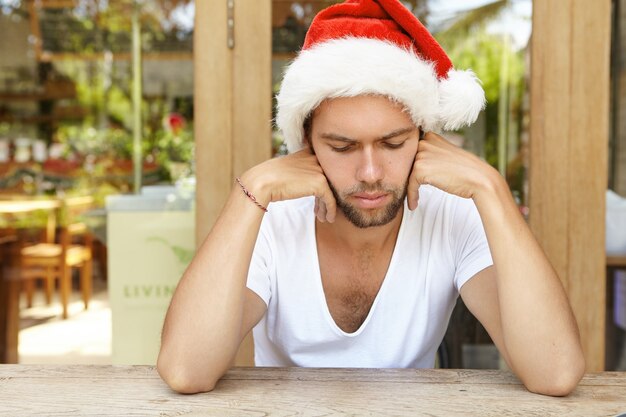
(439, 247)
(322, 295)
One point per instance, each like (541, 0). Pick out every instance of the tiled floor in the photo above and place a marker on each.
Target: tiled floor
(83, 338)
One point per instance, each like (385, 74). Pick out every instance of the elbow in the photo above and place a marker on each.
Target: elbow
(561, 380)
(184, 379)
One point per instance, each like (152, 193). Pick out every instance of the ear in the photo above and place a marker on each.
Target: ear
(307, 139)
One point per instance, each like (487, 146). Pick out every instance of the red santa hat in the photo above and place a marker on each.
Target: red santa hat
(376, 47)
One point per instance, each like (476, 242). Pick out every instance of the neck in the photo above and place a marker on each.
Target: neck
(343, 232)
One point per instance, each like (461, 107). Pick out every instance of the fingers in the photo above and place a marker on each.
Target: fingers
(321, 210)
(316, 207)
(325, 207)
(304, 167)
(412, 194)
(437, 140)
(330, 205)
(431, 136)
(413, 186)
(326, 200)
(304, 151)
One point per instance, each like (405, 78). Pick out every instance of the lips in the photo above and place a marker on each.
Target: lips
(370, 200)
(369, 196)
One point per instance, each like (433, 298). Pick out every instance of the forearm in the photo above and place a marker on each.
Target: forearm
(202, 327)
(538, 328)
(209, 313)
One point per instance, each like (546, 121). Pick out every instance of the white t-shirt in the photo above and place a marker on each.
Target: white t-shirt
(440, 246)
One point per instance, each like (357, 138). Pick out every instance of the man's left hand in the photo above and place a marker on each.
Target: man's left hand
(454, 170)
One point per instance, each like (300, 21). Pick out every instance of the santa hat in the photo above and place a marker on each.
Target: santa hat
(376, 47)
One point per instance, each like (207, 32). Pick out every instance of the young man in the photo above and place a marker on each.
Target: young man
(352, 250)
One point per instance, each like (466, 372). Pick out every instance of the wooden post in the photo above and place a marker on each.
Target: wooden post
(9, 300)
(213, 113)
(568, 153)
(232, 104)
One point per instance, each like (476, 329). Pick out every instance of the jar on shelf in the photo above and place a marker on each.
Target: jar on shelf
(22, 150)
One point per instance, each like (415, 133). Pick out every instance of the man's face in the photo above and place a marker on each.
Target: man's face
(366, 146)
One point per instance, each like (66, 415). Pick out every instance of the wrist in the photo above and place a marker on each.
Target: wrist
(492, 185)
(257, 185)
(250, 196)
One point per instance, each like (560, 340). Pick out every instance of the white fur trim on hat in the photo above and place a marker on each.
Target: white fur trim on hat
(350, 67)
(461, 99)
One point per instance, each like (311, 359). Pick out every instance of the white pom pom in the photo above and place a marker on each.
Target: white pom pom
(461, 99)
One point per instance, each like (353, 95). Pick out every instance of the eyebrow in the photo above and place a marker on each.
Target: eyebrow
(340, 138)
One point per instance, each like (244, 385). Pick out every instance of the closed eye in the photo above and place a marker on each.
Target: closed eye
(341, 148)
(390, 145)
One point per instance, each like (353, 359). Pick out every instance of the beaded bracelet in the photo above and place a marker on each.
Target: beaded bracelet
(250, 196)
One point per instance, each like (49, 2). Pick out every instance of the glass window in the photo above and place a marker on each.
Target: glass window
(68, 111)
(66, 89)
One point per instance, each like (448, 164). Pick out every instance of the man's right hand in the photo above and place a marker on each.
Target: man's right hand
(196, 352)
(292, 176)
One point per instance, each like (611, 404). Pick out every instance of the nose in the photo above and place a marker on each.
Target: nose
(370, 168)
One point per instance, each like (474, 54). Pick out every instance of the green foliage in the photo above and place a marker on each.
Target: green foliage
(119, 106)
(5, 128)
(174, 150)
(484, 52)
(501, 70)
(463, 26)
(86, 140)
(37, 219)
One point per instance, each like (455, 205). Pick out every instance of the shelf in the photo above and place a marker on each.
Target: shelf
(41, 119)
(284, 56)
(36, 96)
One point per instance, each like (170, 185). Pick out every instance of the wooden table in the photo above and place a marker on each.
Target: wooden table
(9, 273)
(25, 205)
(27, 390)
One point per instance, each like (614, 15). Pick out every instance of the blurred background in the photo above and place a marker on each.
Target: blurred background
(97, 171)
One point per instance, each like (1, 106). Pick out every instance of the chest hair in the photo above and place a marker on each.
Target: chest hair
(351, 283)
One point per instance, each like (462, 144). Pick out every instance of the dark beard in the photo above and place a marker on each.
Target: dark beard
(360, 218)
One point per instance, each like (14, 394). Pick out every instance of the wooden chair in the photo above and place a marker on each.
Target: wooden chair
(54, 259)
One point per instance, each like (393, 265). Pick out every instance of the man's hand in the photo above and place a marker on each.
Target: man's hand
(292, 176)
(196, 353)
(541, 343)
(449, 168)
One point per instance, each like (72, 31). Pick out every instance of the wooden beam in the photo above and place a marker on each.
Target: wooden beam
(213, 113)
(568, 154)
(33, 15)
(252, 102)
(233, 106)
(252, 89)
(56, 4)
(46, 56)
